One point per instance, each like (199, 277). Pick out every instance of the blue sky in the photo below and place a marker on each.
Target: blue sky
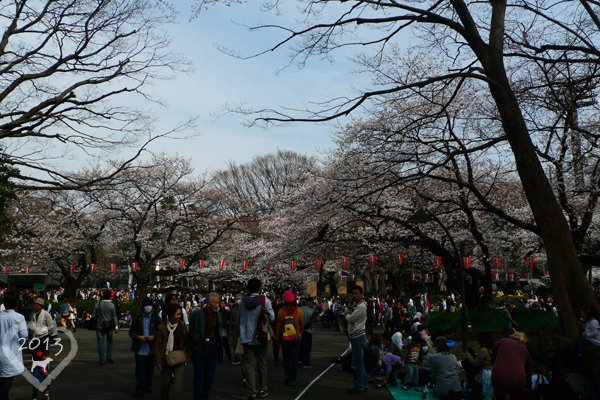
(219, 79)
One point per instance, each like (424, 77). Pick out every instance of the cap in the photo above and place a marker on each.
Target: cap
(289, 296)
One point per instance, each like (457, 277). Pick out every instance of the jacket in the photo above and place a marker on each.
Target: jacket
(284, 312)
(196, 332)
(105, 311)
(161, 343)
(249, 313)
(137, 329)
(357, 320)
(44, 320)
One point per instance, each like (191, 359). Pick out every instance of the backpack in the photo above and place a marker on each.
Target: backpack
(290, 328)
(264, 332)
(64, 309)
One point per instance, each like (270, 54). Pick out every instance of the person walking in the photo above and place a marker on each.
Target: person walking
(254, 308)
(13, 328)
(143, 335)
(207, 348)
(289, 327)
(509, 325)
(356, 316)
(234, 329)
(172, 352)
(310, 316)
(173, 298)
(41, 324)
(106, 315)
(511, 367)
(225, 318)
(41, 327)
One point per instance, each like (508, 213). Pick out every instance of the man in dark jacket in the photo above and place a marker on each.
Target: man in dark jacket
(207, 348)
(143, 332)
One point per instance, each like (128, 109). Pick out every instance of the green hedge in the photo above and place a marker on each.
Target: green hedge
(530, 321)
(134, 307)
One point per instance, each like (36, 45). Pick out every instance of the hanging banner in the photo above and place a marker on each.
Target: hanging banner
(94, 266)
(438, 261)
(401, 258)
(293, 265)
(467, 262)
(201, 264)
(246, 263)
(113, 267)
(222, 264)
(135, 267)
(532, 261)
(269, 267)
(28, 269)
(6, 270)
(73, 268)
(319, 265)
(373, 261)
(345, 262)
(499, 262)
(182, 264)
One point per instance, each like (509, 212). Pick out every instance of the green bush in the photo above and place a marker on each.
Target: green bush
(530, 321)
(133, 306)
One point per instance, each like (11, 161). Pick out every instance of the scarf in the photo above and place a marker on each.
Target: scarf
(171, 339)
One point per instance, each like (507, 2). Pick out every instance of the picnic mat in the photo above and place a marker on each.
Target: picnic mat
(411, 394)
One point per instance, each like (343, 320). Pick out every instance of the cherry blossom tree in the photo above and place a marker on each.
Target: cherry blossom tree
(492, 49)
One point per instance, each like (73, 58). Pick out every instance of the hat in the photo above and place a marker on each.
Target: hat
(289, 296)
(40, 301)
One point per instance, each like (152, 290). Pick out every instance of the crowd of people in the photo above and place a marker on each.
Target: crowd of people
(389, 342)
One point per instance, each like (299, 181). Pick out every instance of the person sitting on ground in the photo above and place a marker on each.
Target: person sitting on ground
(443, 372)
(479, 365)
(590, 328)
(396, 343)
(412, 365)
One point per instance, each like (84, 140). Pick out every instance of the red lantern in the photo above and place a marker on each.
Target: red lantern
(293, 265)
(345, 262)
(373, 261)
(401, 258)
(182, 264)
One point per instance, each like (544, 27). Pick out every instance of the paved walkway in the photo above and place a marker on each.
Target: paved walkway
(85, 379)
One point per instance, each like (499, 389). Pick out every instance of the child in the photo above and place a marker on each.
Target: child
(390, 362)
(40, 371)
(412, 365)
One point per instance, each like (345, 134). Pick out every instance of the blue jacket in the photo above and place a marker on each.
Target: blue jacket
(248, 319)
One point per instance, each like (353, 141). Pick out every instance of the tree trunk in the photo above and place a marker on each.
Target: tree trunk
(71, 286)
(570, 288)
